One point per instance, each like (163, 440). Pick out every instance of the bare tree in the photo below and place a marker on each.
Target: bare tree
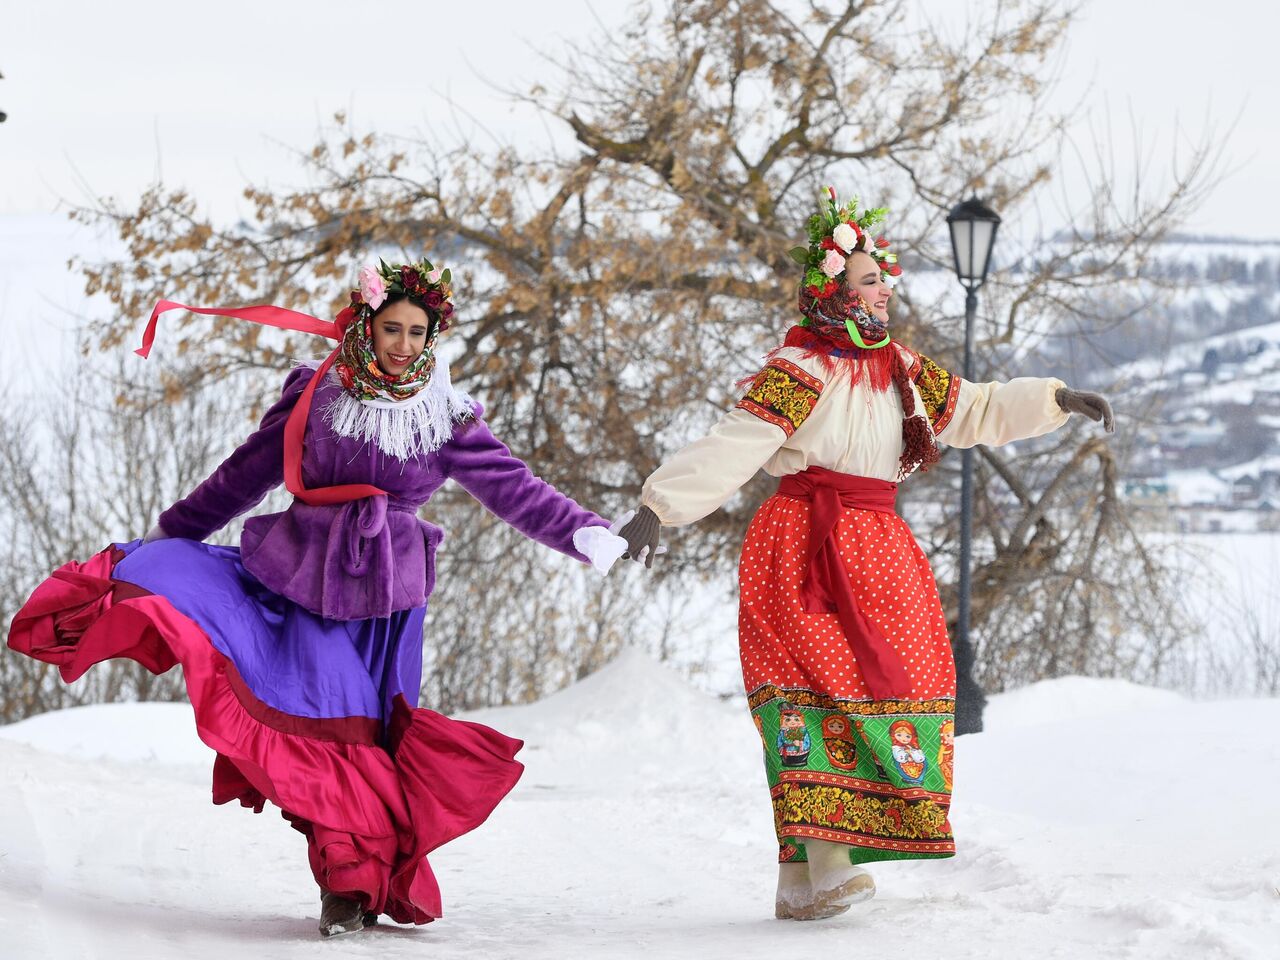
(614, 291)
(84, 473)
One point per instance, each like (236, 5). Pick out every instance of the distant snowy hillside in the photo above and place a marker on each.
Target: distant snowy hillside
(1094, 819)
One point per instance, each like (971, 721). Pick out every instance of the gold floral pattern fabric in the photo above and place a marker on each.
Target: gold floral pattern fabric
(782, 394)
(865, 708)
(879, 825)
(939, 390)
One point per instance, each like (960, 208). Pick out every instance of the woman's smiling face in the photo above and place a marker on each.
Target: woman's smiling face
(862, 275)
(399, 336)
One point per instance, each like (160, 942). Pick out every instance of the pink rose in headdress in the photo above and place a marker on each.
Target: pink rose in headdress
(833, 263)
(434, 276)
(372, 288)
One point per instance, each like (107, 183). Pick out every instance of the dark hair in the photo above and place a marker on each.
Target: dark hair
(399, 297)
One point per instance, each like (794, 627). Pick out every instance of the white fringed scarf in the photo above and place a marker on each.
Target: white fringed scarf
(407, 428)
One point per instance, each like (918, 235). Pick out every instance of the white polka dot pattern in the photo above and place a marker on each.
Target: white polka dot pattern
(892, 583)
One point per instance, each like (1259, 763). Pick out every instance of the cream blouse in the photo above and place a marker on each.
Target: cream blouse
(796, 415)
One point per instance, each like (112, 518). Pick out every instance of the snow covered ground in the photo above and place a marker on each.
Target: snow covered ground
(1094, 818)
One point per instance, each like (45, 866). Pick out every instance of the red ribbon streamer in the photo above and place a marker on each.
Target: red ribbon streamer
(266, 315)
(295, 427)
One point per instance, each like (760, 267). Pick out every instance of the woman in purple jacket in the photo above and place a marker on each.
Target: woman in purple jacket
(302, 649)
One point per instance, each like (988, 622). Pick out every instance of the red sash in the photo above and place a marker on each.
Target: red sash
(826, 586)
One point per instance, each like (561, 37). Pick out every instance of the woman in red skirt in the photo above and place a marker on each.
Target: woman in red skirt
(845, 655)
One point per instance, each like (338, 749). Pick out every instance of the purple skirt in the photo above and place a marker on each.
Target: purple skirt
(292, 660)
(316, 716)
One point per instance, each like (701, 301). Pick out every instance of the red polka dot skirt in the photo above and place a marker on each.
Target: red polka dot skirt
(842, 766)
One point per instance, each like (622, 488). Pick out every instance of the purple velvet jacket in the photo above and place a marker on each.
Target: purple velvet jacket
(370, 557)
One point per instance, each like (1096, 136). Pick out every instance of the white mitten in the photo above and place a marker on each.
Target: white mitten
(599, 545)
(155, 533)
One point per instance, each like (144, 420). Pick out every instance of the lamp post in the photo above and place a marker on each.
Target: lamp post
(973, 233)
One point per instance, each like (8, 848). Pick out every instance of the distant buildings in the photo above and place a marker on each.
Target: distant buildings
(1197, 501)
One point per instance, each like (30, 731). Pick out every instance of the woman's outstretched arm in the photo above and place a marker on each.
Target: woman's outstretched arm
(240, 482)
(503, 483)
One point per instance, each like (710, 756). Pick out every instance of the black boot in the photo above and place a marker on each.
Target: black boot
(339, 915)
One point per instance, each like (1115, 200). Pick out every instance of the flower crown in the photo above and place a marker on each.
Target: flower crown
(422, 283)
(834, 233)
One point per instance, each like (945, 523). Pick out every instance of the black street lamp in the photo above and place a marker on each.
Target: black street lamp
(973, 234)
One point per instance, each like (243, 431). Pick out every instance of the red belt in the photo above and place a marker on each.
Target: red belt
(826, 588)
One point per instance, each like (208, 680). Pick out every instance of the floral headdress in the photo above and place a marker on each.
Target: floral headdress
(422, 283)
(357, 367)
(836, 231)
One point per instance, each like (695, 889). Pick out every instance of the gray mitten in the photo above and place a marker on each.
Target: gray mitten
(1092, 405)
(641, 532)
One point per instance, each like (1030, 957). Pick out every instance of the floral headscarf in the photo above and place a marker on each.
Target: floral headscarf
(357, 366)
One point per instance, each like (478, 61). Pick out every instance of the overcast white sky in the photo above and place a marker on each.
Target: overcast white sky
(101, 96)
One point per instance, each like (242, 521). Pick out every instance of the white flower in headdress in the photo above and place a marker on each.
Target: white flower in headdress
(845, 237)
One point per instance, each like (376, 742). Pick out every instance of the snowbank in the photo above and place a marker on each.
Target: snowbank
(1094, 819)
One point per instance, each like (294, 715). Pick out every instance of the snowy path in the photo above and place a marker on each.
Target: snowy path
(1095, 819)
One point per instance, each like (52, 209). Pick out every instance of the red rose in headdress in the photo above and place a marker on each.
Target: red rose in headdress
(409, 279)
(824, 291)
(434, 299)
(446, 311)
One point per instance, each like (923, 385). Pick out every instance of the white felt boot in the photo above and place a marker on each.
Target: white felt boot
(837, 884)
(795, 894)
